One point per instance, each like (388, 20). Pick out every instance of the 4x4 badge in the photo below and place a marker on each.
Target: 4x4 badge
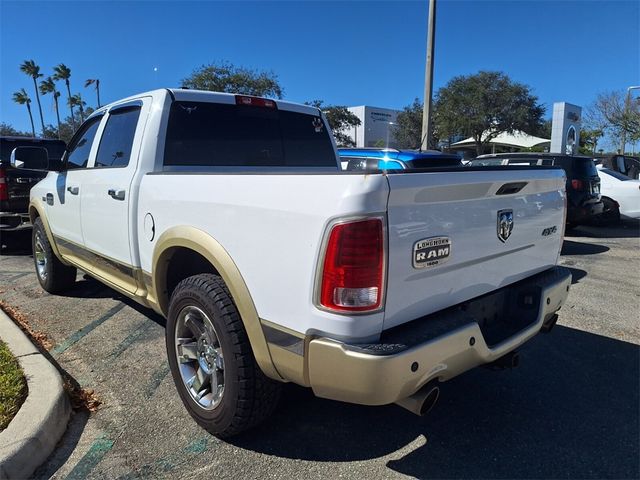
(505, 224)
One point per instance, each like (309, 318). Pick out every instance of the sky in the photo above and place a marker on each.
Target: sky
(345, 53)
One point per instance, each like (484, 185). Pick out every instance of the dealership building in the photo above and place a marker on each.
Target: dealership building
(376, 126)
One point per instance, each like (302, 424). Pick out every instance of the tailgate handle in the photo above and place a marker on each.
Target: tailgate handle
(511, 188)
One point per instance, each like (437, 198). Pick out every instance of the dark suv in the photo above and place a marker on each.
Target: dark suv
(15, 183)
(583, 183)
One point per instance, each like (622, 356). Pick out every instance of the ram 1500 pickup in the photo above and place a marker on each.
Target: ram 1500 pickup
(230, 216)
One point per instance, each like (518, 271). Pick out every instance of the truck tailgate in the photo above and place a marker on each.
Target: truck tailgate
(445, 228)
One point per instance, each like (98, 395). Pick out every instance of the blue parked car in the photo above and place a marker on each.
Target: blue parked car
(373, 159)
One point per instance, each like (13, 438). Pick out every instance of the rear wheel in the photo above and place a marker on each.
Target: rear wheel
(53, 275)
(211, 360)
(611, 212)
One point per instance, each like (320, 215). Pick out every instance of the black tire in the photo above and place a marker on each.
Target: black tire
(249, 396)
(54, 276)
(610, 214)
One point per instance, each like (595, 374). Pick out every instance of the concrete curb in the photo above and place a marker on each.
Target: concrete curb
(42, 420)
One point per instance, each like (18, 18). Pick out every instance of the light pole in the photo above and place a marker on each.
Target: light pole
(428, 77)
(388, 130)
(627, 102)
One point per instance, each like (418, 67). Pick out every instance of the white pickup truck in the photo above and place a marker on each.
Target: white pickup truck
(229, 215)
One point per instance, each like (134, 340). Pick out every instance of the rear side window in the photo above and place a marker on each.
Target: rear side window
(80, 146)
(117, 138)
(222, 135)
(584, 167)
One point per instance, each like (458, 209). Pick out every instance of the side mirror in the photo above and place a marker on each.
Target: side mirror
(30, 158)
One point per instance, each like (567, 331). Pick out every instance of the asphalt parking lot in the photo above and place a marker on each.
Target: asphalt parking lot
(571, 410)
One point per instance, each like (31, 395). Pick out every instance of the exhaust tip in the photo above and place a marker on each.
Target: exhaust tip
(421, 402)
(430, 401)
(547, 326)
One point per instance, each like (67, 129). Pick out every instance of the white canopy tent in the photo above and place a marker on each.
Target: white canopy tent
(516, 139)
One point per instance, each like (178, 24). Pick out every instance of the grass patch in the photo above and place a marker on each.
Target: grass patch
(13, 387)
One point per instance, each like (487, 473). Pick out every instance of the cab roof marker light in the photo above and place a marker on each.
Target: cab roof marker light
(255, 101)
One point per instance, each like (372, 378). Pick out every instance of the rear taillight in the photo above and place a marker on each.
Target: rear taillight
(578, 184)
(255, 101)
(4, 188)
(353, 268)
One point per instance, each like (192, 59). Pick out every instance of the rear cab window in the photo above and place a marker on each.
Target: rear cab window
(583, 167)
(117, 138)
(229, 135)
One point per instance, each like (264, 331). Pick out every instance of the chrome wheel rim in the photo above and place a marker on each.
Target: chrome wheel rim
(40, 257)
(200, 358)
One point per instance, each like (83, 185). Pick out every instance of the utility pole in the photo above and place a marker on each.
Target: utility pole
(627, 104)
(428, 77)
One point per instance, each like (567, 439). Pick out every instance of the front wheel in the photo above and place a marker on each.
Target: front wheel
(211, 360)
(53, 275)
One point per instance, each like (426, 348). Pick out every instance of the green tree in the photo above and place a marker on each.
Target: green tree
(30, 68)
(8, 130)
(340, 120)
(76, 101)
(48, 85)
(408, 128)
(226, 77)
(484, 105)
(589, 140)
(66, 126)
(545, 129)
(96, 82)
(616, 116)
(62, 72)
(21, 98)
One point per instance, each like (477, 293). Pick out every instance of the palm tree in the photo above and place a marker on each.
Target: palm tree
(91, 81)
(21, 97)
(76, 101)
(62, 72)
(30, 68)
(49, 86)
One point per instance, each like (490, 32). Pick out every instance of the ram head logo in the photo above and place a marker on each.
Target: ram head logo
(505, 224)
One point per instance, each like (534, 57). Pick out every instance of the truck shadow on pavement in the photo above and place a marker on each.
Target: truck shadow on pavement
(624, 229)
(15, 243)
(570, 410)
(579, 248)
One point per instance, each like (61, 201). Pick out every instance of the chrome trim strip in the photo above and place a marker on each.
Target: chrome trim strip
(93, 257)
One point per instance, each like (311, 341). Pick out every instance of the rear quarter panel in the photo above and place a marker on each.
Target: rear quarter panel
(272, 227)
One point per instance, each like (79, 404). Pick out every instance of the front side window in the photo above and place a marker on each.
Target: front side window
(223, 135)
(117, 139)
(80, 146)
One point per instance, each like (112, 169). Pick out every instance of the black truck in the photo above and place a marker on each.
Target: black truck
(584, 203)
(16, 182)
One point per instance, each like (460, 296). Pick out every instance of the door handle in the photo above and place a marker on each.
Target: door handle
(73, 189)
(116, 194)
